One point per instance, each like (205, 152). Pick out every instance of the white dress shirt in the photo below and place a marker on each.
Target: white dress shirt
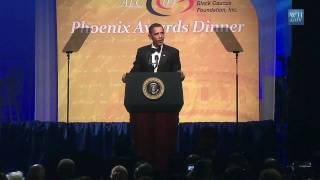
(156, 57)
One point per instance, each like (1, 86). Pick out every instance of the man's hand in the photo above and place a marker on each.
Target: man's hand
(181, 75)
(124, 77)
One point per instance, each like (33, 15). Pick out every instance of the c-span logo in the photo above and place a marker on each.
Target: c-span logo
(166, 7)
(296, 17)
(153, 88)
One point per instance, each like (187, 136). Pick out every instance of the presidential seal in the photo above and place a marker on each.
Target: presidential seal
(153, 88)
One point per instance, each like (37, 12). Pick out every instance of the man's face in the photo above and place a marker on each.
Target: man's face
(157, 36)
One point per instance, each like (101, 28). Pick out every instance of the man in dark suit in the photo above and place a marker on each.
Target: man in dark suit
(157, 57)
(154, 134)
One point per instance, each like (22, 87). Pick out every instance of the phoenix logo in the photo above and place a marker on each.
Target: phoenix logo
(161, 6)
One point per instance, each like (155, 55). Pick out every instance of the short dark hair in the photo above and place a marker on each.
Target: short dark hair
(144, 169)
(66, 168)
(267, 174)
(153, 26)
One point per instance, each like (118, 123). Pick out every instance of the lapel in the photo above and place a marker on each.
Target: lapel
(164, 55)
(147, 52)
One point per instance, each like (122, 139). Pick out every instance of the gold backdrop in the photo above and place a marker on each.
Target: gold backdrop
(119, 28)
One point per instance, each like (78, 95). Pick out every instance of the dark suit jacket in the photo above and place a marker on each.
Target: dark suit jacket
(169, 61)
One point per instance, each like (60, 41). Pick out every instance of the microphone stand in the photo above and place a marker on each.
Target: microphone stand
(237, 87)
(68, 86)
(237, 100)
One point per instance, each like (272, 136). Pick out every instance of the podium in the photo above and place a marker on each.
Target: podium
(153, 92)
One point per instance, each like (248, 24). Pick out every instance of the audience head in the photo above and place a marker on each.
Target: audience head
(191, 161)
(119, 173)
(203, 169)
(238, 167)
(143, 170)
(271, 163)
(234, 173)
(36, 172)
(66, 168)
(270, 174)
(18, 175)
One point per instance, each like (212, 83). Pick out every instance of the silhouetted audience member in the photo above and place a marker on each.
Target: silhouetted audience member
(272, 163)
(66, 169)
(202, 170)
(143, 170)
(119, 173)
(190, 162)
(17, 175)
(36, 172)
(235, 173)
(237, 168)
(270, 174)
